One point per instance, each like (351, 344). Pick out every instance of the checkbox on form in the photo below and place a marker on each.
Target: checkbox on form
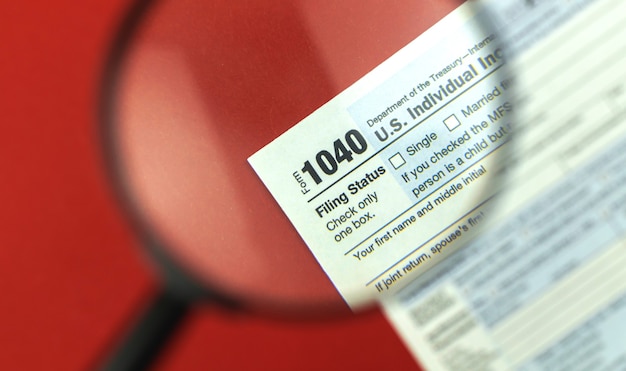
(397, 160)
(452, 122)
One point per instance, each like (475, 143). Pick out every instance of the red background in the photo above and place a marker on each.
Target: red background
(72, 274)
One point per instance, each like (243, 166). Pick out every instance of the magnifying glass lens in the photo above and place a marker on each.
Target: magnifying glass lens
(199, 86)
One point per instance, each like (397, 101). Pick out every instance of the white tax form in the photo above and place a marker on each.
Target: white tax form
(544, 287)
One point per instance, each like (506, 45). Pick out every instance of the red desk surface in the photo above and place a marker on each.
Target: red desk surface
(72, 274)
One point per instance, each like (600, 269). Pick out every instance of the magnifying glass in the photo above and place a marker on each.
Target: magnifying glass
(194, 88)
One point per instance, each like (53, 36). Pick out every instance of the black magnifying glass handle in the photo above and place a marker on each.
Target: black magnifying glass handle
(142, 343)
